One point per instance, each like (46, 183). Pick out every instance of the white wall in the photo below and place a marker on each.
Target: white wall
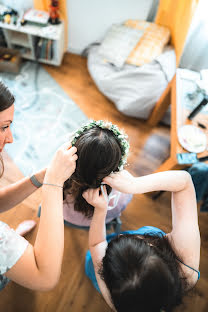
(18, 5)
(88, 20)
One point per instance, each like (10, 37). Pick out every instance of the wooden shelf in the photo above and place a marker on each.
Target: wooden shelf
(27, 36)
(52, 32)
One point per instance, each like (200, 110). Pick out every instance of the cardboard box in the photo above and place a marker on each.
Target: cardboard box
(12, 65)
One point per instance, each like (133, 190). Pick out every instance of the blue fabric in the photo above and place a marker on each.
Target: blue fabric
(3, 281)
(199, 174)
(89, 268)
(188, 266)
(151, 230)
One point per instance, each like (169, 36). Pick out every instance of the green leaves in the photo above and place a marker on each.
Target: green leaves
(120, 135)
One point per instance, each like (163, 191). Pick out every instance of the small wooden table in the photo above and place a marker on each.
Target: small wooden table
(180, 109)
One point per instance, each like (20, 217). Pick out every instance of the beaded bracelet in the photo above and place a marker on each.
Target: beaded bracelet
(38, 184)
(53, 185)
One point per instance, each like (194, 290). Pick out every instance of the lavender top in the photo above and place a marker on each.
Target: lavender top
(117, 203)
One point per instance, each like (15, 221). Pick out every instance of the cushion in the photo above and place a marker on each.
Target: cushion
(151, 44)
(119, 41)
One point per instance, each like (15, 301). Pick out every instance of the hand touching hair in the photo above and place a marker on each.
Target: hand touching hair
(99, 154)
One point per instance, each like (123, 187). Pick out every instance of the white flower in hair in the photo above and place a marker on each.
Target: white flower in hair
(119, 134)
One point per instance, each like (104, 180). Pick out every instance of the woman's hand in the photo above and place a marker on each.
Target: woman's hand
(96, 198)
(62, 165)
(122, 181)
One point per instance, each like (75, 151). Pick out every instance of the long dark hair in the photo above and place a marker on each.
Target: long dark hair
(142, 274)
(99, 153)
(6, 97)
(6, 100)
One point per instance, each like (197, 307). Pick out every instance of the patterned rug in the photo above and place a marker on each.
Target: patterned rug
(44, 117)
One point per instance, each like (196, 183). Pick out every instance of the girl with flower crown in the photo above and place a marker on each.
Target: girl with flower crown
(101, 148)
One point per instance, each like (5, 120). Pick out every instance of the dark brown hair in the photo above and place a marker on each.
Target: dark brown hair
(142, 274)
(6, 100)
(6, 97)
(99, 153)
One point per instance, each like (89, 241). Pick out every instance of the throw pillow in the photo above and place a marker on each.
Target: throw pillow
(118, 43)
(151, 44)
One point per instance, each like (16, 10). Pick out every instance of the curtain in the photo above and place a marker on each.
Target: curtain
(153, 11)
(177, 16)
(195, 55)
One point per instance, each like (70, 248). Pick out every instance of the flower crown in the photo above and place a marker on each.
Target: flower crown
(120, 135)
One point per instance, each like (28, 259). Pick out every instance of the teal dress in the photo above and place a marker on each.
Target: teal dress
(150, 230)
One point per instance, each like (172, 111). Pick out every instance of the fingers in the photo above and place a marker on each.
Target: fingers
(108, 180)
(87, 194)
(84, 195)
(72, 150)
(66, 146)
(96, 192)
(115, 176)
(75, 157)
(91, 194)
(96, 198)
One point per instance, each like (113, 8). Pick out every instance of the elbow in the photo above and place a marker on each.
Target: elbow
(49, 285)
(46, 284)
(186, 178)
(51, 282)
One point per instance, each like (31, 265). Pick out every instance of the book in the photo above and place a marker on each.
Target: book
(36, 16)
(49, 50)
(43, 49)
(38, 46)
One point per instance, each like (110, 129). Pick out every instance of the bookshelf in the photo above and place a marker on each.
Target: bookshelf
(42, 44)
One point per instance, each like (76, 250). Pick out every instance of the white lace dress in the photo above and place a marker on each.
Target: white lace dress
(12, 247)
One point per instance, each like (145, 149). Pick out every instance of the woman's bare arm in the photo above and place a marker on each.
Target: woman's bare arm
(185, 236)
(172, 181)
(39, 267)
(15, 193)
(97, 236)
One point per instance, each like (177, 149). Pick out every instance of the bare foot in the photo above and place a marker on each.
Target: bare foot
(25, 227)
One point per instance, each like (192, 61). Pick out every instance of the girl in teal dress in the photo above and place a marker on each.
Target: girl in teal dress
(145, 270)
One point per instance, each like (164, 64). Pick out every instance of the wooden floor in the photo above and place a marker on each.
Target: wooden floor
(149, 148)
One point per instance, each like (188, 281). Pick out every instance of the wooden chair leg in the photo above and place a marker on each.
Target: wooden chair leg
(160, 107)
(169, 164)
